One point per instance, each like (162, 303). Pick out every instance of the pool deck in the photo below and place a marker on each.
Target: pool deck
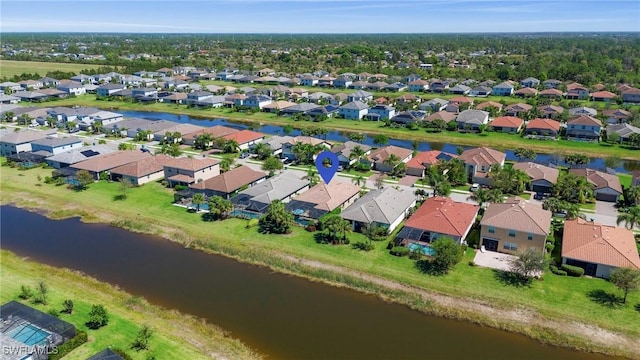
(493, 260)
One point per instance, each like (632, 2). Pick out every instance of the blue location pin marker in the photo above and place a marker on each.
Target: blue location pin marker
(327, 173)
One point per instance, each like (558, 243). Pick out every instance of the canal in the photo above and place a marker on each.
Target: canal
(282, 316)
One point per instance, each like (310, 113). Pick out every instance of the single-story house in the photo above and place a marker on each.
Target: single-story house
(182, 129)
(277, 106)
(56, 145)
(551, 93)
(32, 96)
(514, 226)
(603, 96)
(472, 119)
(9, 99)
(72, 87)
(438, 217)
(344, 152)
(478, 162)
(597, 248)
(378, 157)
(460, 89)
(360, 95)
(530, 82)
(582, 110)
(228, 183)
(423, 160)
(480, 91)
(433, 105)
(518, 109)
(408, 117)
(323, 198)
(287, 144)
(445, 116)
(631, 95)
(109, 89)
(624, 131)
(216, 131)
(551, 111)
(606, 187)
(543, 127)
(68, 158)
(577, 91)
(507, 124)
(245, 138)
(551, 84)
(104, 163)
(283, 187)
(617, 116)
(542, 177)
(302, 108)
(186, 171)
(386, 208)
(526, 92)
(488, 105)
(142, 171)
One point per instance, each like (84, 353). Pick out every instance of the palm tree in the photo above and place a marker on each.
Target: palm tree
(392, 161)
(203, 141)
(633, 195)
(97, 127)
(356, 153)
(8, 116)
(231, 146)
(343, 226)
(360, 180)
(631, 217)
(262, 150)
(312, 176)
(24, 118)
(197, 200)
(226, 163)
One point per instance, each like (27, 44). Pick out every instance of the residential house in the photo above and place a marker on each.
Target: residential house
(418, 85)
(31, 96)
(309, 80)
(72, 87)
(624, 131)
(598, 248)
(342, 82)
(10, 85)
(56, 145)
(582, 110)
(460, 90)
(438, 86)
(142, 171)
(381, 112)
(71, 157)
(551, 94)
(245, 138)
(551, 111)
(360, 95)
(503, 89)
(106, 90)
(359, 85)
(542, 127)
(530, 82)
(606, 187)
(526, 92)
(507, 124)
(631, 95)
(514, 226)
(408, 99)
(408, 117)
(616, 116)
(16, 142)
(257, 198)
(551, 84)
(386, 208)
(478, 162)
(603, 96)
(378, 157)
(302, 108)
(186, 171)
(181, 129)
(433, 105)
(323, 198)
(82, 78)
(212, 102)
(472, 120)
(355, 110)
(287, 143)
(377, 86)
(198, 96)
(480, 91)
(438, 217)
(461, 101)
(31, 84)
(216, 132)
(419, 163)
(297, 93)
(96, 165)
(584, 127)
(133, 126)
(518, 109)
(319, 96)
(9, 99)
(54, 93)
(277, 106)
(344, 152)
(325, 111)
(144, 92)
(174, 98)
(257, 101)
(395, 87)
(445, 116)
(229, 183)
(542, 178)
(577, 91)
(487, 105)
(49, 82)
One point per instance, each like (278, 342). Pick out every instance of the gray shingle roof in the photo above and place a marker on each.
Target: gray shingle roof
(355, 105)
(261, 195)
(57, 141)
(380, 206)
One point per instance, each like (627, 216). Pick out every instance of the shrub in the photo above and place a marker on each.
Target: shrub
(363, 245)
(141, 341)
(549, 246)
(48, 180)
(310, 228)
(180, 187)
(554, 269)
(399, 251)
(573, 270)
(416, 254)
(53, 312)
(472, 263)
(64, 349)
(67, 306)
(98, 317)
(25, 292)
(252, 223)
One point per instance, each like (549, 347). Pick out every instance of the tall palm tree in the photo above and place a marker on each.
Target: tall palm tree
(359, 180)
(262, 150)
(392, 161)
(8, 116)
(197, 200)
(633, 195)
(312, 176)
(231, 146)
(631, 217)
(356, 153)
(24, 119)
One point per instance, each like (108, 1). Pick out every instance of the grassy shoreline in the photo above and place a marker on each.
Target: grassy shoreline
(175, 336)
(554, 311)
(496, 140)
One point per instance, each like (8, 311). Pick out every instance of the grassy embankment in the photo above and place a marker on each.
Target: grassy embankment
(176, 336)
(9, 68)
(496, 140)
(553, 311)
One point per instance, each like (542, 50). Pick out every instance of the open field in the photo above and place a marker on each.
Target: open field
(9, 68)
(500, 141)
(557, 310)
(176, 336)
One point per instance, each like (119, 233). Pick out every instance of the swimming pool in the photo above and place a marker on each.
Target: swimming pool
(427, 250)
(29, 334)
(244, 214)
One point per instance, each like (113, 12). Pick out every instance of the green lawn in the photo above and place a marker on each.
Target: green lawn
(149, 209)
(9, 68)
(127, 314)
(625, 180)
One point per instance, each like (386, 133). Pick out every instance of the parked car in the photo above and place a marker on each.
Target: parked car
(538, 196)
(340, 168)
(475, 187)
(244, 155)
(561, 214)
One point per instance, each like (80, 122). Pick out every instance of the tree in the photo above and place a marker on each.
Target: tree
(141, 341)
(197, 200)
(359, 181)
(312, 176)
(482, 196)
(632, 195)
(447, 254)
(126, 146)
(277, 220)
(8, 116)
(442, 188)
(508, 180)
(98, 317)
(630, 218)
(123, 188)
(573, 188)
(379, 181)
(203, 141)
(392, 161)
(84, 179)
(634, 140)
(334, 224)
(42, 292)
(357, 137)
(528, 263)
(356, 153)
(272, 164)
(625, 279)
(380, 139)
(375, 232)
(576, 159)
(262, 150)
(525, 154)
(219, 207)
(557, 206)
(226, 163)
(171, 149)
(287, 129)
(67, 306)
(231, 146)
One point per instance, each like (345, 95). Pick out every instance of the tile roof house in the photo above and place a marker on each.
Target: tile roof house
(489, 104)
(478, 162)
(445, 116)
(245, 138)
(408, 117)
(526, 92)
(142, 171)
(472, 120)
(616, 116)
(631, 95)
(582, 110)
(276, 106)
(228, 183)
(16, 142)
(606, 187)
(378, 157)
(577, 91)
(460, 89)
(216, 131)
(584, 127)
(438, 217)
(283, 187)
(603, 96)
(323, 198)
(551, 93)
(597, 248)
(344, 151)
(386, 208)
(186, 171)
(551, 111)
(514, 226)
(542, 177)
(507, 124)
(101, 163)
(530, 82)
(551, 84)
(518, 109)
(131, 127)
(423, 160)
(183, 129)
(542, 127)
(624, 131)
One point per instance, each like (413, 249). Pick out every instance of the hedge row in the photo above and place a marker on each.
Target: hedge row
(74, 342)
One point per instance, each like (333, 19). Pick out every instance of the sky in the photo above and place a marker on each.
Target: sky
(312, 16)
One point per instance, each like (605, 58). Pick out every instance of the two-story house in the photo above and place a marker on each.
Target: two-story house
(106, 90)
(56, 145)
(631, 95)
(355, 110)
(503, 89)
(478, 162)
(381, 112)
(530, 82)
(472, 120)
(257, 101)
(360, 95)
(418, 85)
(584, 127)
(72, 87)
(197, 96)
(577, 91)
(187, 171)
(542, 127)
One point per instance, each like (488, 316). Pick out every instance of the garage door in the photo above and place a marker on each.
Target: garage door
(541, 189)
(606, 197)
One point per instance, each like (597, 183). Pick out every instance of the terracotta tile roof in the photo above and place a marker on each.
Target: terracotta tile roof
(603, 95)
(426, 158)
(544, 124)
(381, 154)
(280, 104)
(482, 156)
(538, 172)
(112, 160)
(526, 91)
(585, 120)
(215, 131)
(381, 100)
(599, 179)
(519, 215)
(601, 244)
(244, 136)
(142, 167)
(25, 136)
(551, 92)
(617, 113)
(306, 140)
(632, 91)
(575, 85)
(551, 109)
(329, 197)
(460, 100)
(407, 97)
(182, 178)
(488, 104)
(190, 164)
(519, 106)
(231, 180)
(236, 97)
(441, 115)
(444, 216)
(507, 121)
